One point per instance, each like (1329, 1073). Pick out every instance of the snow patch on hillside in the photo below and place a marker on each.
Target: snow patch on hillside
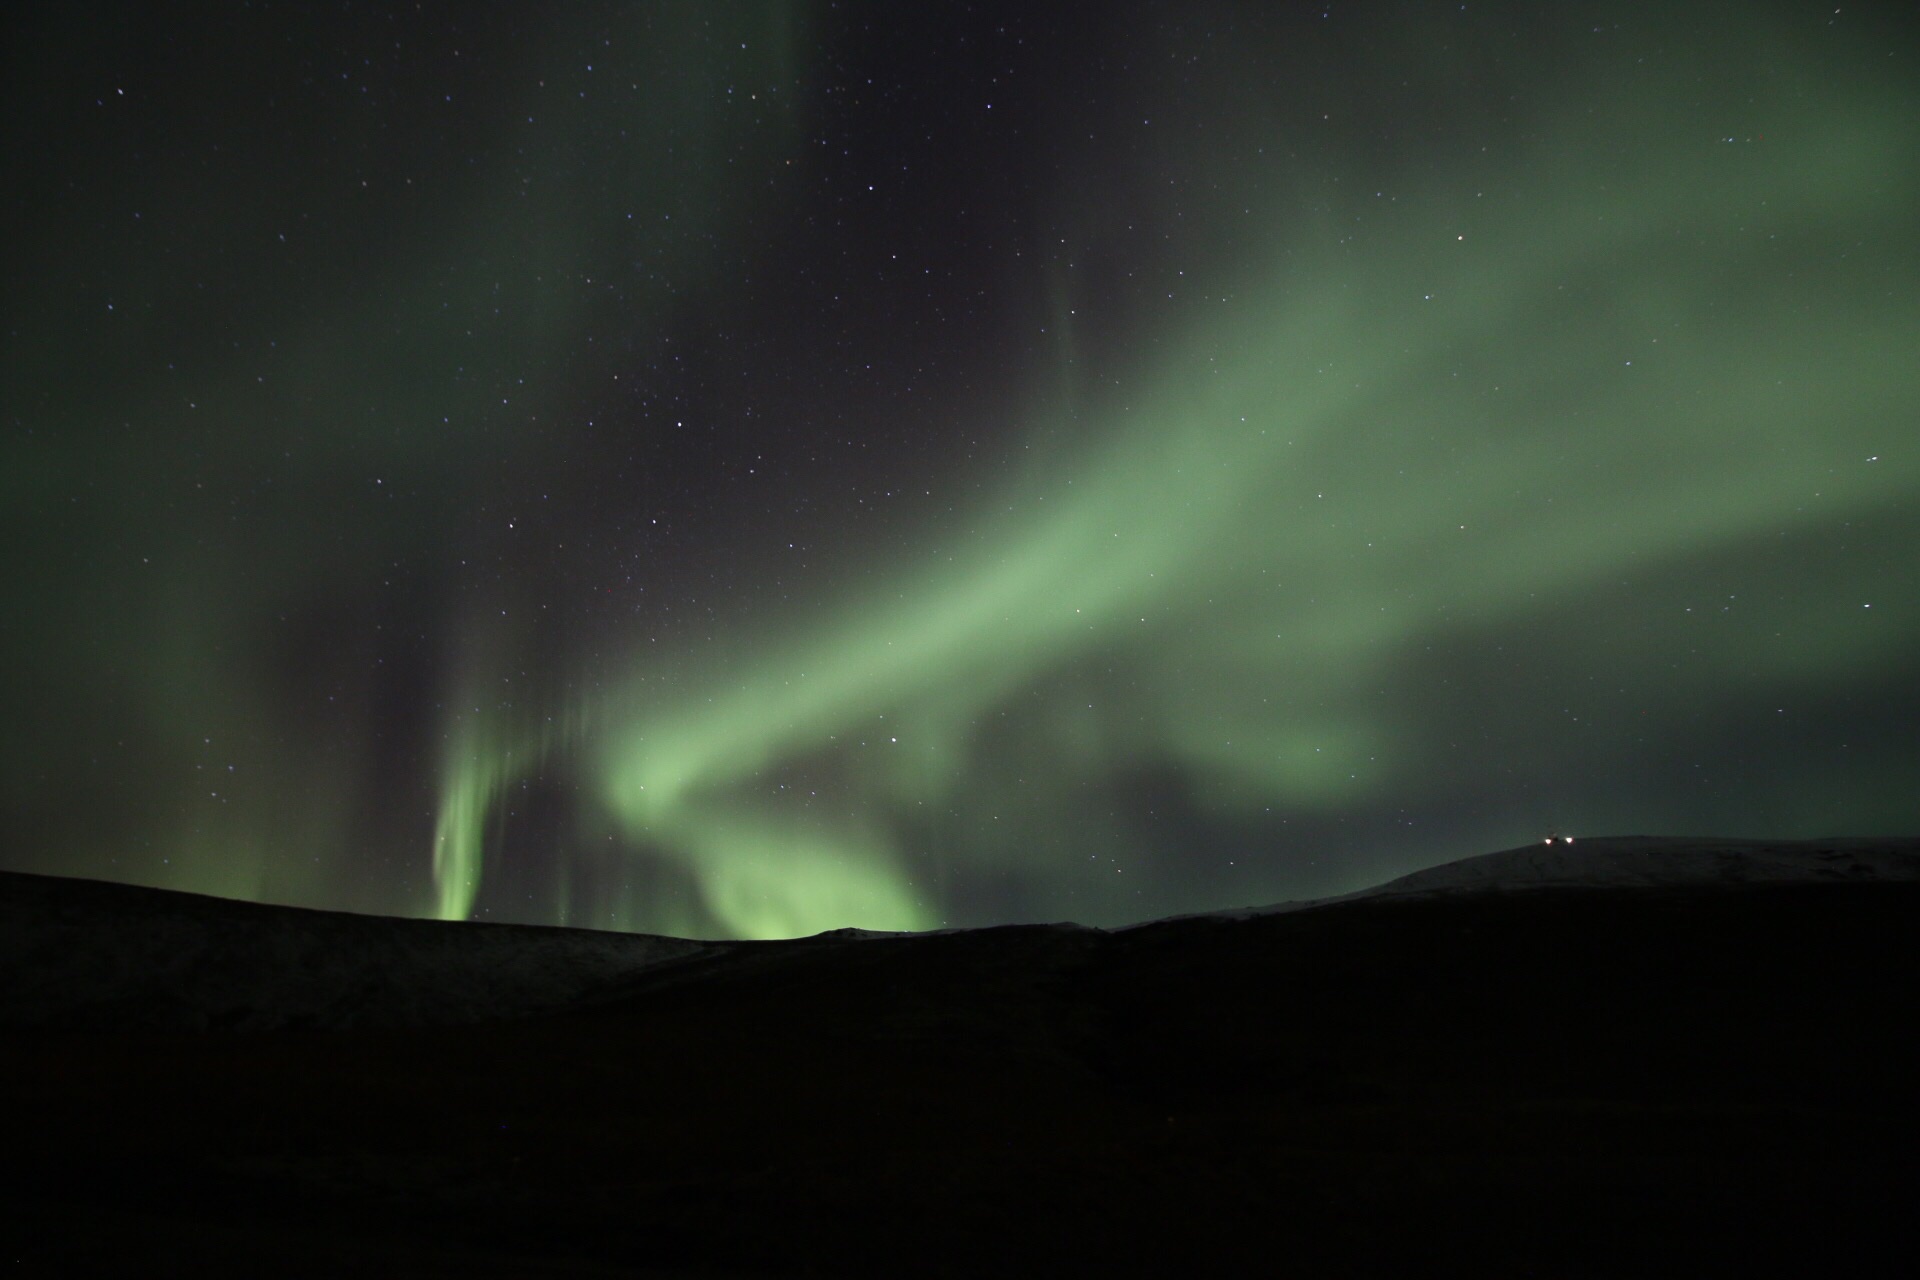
(1644, 862)
(1653, 862)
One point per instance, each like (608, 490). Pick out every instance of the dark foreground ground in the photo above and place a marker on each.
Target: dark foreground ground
(1586, 1082)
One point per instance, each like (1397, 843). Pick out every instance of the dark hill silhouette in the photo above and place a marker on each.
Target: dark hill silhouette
(1671, 1057)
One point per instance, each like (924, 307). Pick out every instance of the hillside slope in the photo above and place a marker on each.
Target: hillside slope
(1708, 1072)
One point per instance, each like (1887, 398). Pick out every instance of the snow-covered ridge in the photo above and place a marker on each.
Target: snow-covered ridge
(1646, 862)
(1651, 862)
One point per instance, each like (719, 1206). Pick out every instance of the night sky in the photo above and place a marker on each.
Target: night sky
(744, 470)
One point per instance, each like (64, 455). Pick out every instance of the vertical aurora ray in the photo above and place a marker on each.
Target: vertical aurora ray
(472, 786)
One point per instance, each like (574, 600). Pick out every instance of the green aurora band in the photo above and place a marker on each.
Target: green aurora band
(1455, 415)
(1495, 476)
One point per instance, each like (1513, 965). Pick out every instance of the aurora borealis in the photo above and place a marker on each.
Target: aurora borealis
(744, 470)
